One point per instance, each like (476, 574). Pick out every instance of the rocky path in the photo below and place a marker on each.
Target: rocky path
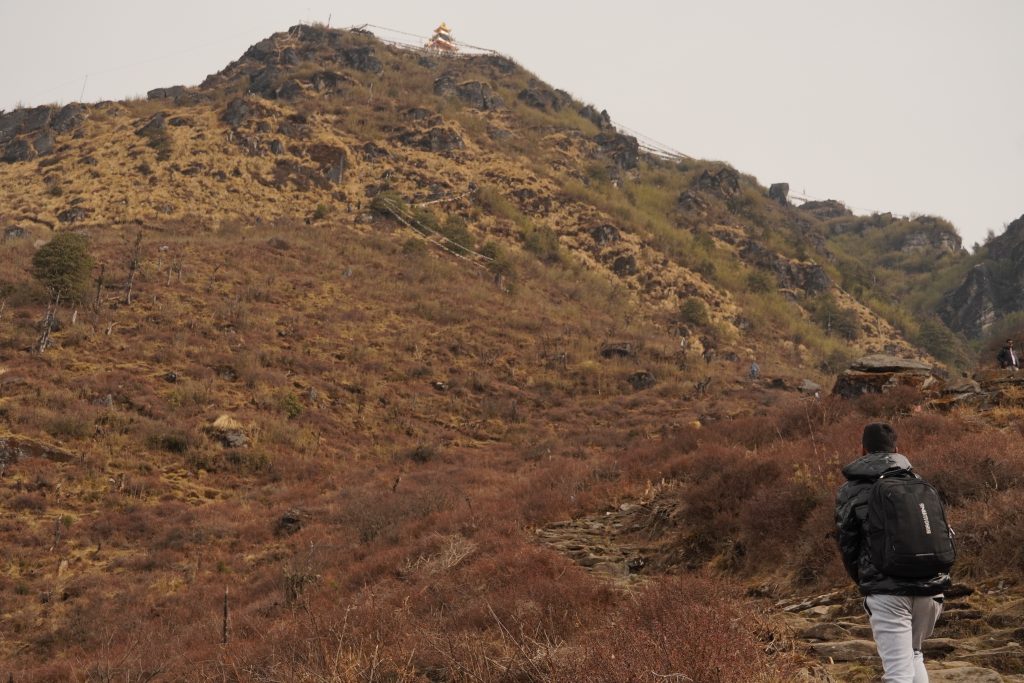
(979, 639)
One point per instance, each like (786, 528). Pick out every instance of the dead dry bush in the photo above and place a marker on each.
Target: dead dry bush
(683, 629)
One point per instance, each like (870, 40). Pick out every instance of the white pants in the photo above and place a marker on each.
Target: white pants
(900, 624)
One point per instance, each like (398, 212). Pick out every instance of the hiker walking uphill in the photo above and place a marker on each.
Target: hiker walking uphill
(896, 545)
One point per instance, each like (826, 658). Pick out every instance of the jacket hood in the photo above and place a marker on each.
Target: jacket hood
(873, 465)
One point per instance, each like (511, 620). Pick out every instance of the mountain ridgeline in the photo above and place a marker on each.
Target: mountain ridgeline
(316, 123)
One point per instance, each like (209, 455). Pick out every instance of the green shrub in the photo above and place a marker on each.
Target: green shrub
(543, 242)
(63, 265)
(759, 282)
(694, 311)
(455, 229)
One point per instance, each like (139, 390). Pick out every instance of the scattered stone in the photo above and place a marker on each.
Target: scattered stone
(289, 523)
(228, 431)
(15, 448)
(964, 674)
(74, 214)
(374, 152)
(155, 126)
(13, 233)
(439, 386)
(846, 651)
(825, 632)
(806, 386)
(691, 202)
(641, 380)
(604, 234)
(237, 112)
(625, 265)
(617, 350)
(171, 377)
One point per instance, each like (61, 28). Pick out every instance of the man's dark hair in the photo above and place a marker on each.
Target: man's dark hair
(879, 437)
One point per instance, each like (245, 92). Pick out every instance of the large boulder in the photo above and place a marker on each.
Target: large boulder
(879, 373)
(780, 193)
(543, 98)
(806, 276)
(68, 118)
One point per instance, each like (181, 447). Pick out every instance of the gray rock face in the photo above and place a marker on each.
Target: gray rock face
(68, 118)
(237, 112)
(361, 59)
(623, 149)
(725, 183)
(478, 95)
(438, 139)
(807, 277)
(973, 307)
(18, 150)
(938, 241)
(601, 119)
(990, 290)
(545, 99)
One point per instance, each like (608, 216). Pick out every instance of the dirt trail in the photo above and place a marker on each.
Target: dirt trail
(979, 639)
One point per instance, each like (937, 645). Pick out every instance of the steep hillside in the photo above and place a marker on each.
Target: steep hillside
(363, 324)
(315, 123)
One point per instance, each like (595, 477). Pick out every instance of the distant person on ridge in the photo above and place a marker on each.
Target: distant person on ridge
(897, 547)
(1008, 357)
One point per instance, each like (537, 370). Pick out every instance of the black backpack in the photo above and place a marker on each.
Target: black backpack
(908, 536)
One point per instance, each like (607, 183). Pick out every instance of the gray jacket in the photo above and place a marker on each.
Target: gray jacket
(851, 531)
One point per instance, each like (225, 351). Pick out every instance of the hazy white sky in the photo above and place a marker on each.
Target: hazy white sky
(910, 106)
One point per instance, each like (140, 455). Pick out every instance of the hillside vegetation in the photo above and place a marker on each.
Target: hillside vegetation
(295, 364)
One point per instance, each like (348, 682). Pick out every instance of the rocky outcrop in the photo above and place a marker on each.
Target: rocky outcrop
(725, 182)
(990, 290)
(544, 98)
(826, 209)
(29, 133)
(938, 241)
(477, 94)
(879, 373)
(808, 277)
(779, 192)
(439, 140)
(601, 119)
(623, 149)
